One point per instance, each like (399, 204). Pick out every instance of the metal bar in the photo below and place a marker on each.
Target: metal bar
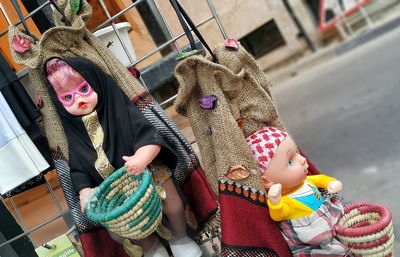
(69, 232)
(120, 40)
(120, 13)
(49, 247)
(365, 15)
(33, 229)
(143, 82)
(104, 7)
(341, 30)
(5, 14)
(22, 73)
(217, 19)
(21, 16)
(55, 6)
(342, 19)
(169, 42)
(166, 25)
(53, 195)
(27, 17)
(21, 220)
(299, 25)
(169, 100)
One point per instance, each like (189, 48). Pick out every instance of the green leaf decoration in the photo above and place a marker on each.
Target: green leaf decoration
(76, 6)
(183, 55)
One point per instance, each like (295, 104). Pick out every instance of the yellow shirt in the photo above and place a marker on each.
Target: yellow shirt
(289, 208)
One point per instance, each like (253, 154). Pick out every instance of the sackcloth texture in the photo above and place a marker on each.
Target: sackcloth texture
(77, 41)
(243, 92)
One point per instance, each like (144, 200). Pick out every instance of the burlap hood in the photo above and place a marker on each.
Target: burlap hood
(243, 94)
(68, 41)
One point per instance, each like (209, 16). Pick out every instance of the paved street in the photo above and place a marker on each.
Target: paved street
(345, 114)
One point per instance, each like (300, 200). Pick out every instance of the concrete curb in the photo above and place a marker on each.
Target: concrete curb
(324, 54)
(368, 35)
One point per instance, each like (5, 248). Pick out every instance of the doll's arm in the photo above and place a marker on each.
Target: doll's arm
(335, 186)
(323, 181)
(143, 156)
(84, 196)
(278, 209)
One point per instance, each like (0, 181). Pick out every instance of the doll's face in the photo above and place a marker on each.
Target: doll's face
(287, 167)
(74, 92)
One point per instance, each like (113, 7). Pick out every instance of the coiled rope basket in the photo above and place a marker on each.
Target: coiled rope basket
(367, 229)
(126, 204)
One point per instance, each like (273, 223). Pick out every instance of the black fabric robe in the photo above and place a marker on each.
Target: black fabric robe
(17, 98)
(125, 127)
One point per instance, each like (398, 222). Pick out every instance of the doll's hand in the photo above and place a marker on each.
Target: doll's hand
(274, 193)
(334, 186)
(84, 196)
(134, 165)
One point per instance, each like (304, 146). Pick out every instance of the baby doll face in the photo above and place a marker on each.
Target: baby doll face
(72, 90)
(287, 167)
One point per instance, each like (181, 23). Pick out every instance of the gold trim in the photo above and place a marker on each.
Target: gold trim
(96, 135)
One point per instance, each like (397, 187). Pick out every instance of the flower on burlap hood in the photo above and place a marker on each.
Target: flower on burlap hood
(208, 102)
(21, 44)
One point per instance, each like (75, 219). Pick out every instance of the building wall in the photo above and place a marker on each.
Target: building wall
(241, 17)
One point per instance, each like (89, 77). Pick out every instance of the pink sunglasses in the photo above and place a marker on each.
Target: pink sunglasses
(68, 99)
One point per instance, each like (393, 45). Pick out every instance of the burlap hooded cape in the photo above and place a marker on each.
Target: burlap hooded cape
(244, 104)
(243, 93)
(75, 40)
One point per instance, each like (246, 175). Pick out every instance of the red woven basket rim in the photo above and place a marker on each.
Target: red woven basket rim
(365, 207)
(369, 245)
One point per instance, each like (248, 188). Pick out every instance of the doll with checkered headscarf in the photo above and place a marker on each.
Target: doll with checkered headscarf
(306, 218)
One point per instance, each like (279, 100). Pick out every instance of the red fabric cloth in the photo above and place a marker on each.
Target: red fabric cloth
(99, 244)
(201, 197)
(247, 229)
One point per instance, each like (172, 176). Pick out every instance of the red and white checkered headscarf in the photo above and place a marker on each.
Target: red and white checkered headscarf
(263, 144)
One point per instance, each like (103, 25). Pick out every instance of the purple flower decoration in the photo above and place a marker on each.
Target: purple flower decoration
(208, 102)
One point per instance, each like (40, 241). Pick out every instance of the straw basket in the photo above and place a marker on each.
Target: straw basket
(127, 205)
(367, 229)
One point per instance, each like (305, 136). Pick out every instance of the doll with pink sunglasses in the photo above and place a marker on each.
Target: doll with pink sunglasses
(306, 217)
(106, 131)
(72, 90)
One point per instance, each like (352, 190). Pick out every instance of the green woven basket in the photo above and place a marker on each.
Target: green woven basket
(126, 204)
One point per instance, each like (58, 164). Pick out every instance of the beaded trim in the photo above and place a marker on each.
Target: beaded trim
(142, 100)
(236, 189)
